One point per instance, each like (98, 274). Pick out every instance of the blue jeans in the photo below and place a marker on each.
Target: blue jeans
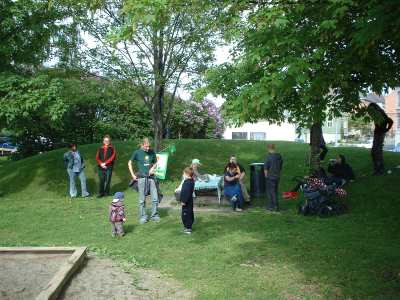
(231, 191)
(72, 187)
(142, 198)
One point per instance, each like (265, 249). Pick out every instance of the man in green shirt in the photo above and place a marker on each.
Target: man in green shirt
(146, 163)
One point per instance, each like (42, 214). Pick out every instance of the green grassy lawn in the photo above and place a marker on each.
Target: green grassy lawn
(252, 255)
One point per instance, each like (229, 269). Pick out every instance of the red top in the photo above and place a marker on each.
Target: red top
(110, 159)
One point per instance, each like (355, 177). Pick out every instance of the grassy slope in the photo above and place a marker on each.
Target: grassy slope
(236, 256)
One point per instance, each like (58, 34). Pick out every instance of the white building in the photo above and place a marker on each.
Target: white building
(333, 131)
(262, 131)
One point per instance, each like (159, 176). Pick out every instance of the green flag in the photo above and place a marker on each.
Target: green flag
(162, 164)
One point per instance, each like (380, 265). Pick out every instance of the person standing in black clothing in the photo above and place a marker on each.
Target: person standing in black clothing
(105, 158)
(324, 149)
(186, 199)
(382, 125)
(272, 170)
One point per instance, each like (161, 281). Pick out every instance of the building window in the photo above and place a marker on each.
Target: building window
(258, 136)
(239, 135)
(329, 124)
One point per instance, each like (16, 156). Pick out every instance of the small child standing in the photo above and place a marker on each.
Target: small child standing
(117, 214)
(186, 199)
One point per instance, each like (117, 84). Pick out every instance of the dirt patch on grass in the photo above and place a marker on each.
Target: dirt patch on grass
(102, 278)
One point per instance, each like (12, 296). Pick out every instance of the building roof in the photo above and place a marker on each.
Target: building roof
(372, 98)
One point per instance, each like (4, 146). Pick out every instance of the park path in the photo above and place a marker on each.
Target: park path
(169, 202)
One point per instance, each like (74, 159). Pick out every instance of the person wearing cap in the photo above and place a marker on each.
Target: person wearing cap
(75, 165)
(117, 214)
(146, 162)
(196, 173)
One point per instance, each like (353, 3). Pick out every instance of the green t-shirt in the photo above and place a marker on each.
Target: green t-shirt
(144, 160)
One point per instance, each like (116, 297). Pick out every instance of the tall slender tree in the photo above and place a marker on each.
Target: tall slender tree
(157, 46)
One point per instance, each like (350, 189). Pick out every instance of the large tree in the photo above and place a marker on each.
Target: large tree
(305, 61)
(155, 45)
(35, 31)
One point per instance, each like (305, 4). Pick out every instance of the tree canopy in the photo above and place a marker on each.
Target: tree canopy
(157, 46)
(35, 31)
(307, 61)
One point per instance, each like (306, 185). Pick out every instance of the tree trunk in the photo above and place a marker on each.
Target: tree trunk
(159, 88)
(158, 134)
(315, 144)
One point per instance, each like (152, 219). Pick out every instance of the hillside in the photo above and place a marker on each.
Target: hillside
(232, 256)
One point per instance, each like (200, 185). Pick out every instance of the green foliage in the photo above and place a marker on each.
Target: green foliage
(152, 45)
(252, 255)
(99, 107)
(307, 62)
(32, 108)
(32, 31)
(56, 107)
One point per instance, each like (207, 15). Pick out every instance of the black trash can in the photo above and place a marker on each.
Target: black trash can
(257, 180)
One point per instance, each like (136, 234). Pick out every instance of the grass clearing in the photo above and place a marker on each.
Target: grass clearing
(253, 255)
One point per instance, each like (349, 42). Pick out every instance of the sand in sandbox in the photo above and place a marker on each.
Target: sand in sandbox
(23, 275)
(102, 279)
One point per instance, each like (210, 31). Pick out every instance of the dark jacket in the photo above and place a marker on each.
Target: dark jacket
(187, 191)
(342, 170)
(381, 120)
(106, 155)
(273, 165)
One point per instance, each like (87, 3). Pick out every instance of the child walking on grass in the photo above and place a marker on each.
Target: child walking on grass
(117, 214)
(186, 199)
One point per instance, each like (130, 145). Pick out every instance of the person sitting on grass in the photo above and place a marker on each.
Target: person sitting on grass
(232, 188)
(340, 170)
(75, 165)
(117, 214)
(186, 199)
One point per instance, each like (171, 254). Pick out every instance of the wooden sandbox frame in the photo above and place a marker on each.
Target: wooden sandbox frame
(53, 289)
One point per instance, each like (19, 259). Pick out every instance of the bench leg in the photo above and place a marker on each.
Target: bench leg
(219, 195)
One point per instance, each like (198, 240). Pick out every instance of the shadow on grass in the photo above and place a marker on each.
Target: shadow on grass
(332, 255)
(16, 178)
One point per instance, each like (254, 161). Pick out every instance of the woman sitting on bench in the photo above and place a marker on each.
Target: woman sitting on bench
(232, 188)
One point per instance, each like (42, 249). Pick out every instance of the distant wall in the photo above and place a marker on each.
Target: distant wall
(262, 131)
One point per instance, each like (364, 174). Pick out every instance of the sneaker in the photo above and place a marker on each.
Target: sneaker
(143, 221)
(187, 231)
(86, 196)
(238, 209)
(156, 219)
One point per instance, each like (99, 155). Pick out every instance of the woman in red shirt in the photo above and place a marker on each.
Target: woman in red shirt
(105, 158)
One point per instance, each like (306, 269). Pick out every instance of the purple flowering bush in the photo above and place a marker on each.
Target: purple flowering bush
(195, 119)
